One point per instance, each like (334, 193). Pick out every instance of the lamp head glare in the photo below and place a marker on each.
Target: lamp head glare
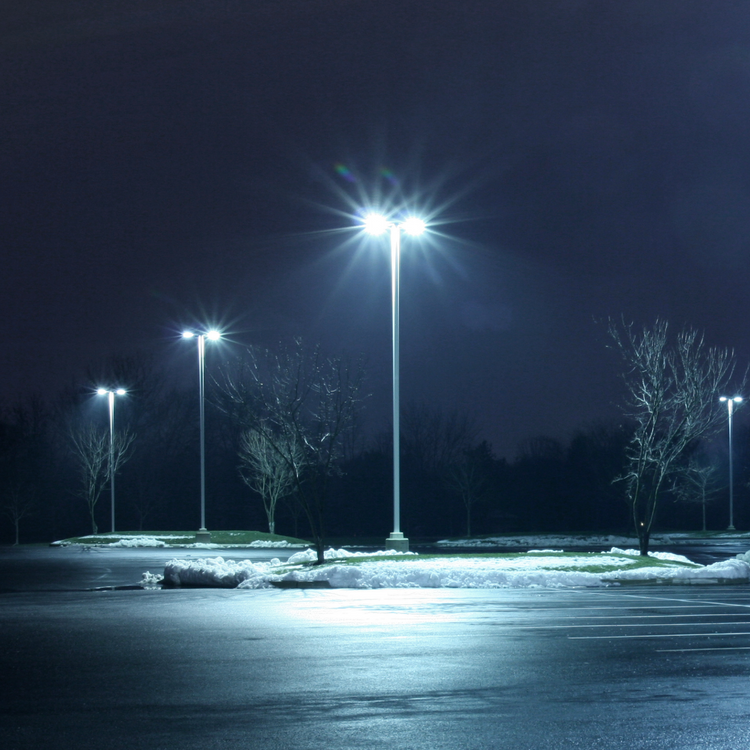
(376, 224)
(413, 226)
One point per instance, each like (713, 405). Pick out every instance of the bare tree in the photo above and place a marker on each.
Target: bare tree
(266, 471)
(18, 502)
(672, 398)
(304, 405)
(433, 445)
(470, 477)
(23, 433)
(434, 439)
(696, 483)
(91, 448)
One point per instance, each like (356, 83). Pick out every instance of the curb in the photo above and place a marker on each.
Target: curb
(301, 584)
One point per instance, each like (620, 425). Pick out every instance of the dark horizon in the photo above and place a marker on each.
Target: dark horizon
(171, 165)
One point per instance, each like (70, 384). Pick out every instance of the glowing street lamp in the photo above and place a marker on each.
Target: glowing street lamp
(376, 224)
(203, 535)
(111, 396)
(730, 408)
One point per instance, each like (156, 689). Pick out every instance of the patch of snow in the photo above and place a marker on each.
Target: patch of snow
(656, 555)
(139, 541)
(544, 551)
(310, 555)
(725, 570)
(151, 580)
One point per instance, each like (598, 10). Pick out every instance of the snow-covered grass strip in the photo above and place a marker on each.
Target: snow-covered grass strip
(221, 539)
(385, 570)
(588, 540)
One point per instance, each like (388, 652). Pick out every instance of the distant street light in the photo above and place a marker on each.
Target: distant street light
(377, 224)
(730, 408)
(111, 396)
(203, 534)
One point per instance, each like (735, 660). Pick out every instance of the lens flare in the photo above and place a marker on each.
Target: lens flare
(344, 171)
(388, 175)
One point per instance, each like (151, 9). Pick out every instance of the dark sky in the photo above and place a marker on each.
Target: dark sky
(165, 162)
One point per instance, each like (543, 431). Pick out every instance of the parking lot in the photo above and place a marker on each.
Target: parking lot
(668, 618)
(621, 667)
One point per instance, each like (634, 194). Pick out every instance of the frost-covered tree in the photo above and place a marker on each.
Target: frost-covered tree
(672, 397)
(90, 446)
(304, 405)
(265, 470)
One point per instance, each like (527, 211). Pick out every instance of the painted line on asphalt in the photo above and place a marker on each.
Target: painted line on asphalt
(655, 617)
(651, 635)
(629, 625)
(693, 602)
(688, 650)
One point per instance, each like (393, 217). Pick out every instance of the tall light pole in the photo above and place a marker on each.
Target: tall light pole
(111, 397)
(377, 224)
(203, 534)
(730, 408)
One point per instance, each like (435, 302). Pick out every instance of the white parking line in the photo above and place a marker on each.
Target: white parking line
(687, 602)
(651, 635)
(688, 650)
(632, 625)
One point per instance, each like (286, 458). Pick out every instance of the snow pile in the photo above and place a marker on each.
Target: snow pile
(542, 570)
(218, 572)
(258, 543)
(656, 555)
(139, 541)
(725, 570)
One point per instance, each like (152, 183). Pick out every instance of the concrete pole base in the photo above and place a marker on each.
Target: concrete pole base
(397, 542)
(203, 536)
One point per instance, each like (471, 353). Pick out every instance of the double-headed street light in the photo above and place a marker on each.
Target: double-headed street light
(111, 396)
(203, 534)
(377, 224)
(730, 408)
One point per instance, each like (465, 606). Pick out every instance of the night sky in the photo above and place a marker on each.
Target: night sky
(165, 163)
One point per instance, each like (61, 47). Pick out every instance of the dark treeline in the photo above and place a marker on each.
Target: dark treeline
(452, 482)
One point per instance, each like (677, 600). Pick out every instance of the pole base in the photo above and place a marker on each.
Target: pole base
(397, 542)
(203, 536)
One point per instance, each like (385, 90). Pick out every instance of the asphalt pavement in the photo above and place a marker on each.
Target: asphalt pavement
(90, 661)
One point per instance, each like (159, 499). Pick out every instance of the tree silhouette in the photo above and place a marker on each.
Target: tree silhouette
(672, 398)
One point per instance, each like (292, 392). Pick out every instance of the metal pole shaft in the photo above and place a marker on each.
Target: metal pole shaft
(201, 357)
(395, 284)
(111, 395)
(731, 471)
